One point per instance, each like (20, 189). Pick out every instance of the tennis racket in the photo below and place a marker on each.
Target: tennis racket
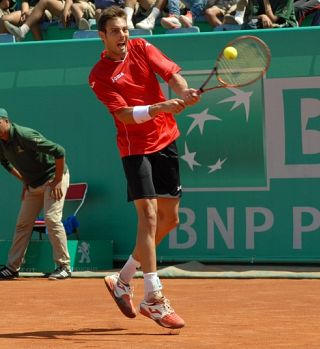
(252, 62)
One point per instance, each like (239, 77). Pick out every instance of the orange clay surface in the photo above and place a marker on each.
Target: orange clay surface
(220, 313)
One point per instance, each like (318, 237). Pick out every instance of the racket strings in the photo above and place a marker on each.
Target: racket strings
(251, 62)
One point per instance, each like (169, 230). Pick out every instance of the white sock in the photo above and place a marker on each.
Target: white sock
(152, 284)
(129, 11)
(24, 29)
(239, 16)
(129, 269)
(155, 12)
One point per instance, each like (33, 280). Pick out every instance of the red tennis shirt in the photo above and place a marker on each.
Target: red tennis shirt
(133, 82)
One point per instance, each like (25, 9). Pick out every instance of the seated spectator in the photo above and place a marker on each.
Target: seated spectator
(19, 17)
(82, 11)
(4, 7)
(237, 19)
(103, 4)
(263, 14)
(176, 20)
(58, 9)
(216, 10)
(147, 8)
(5, 10)
(7, 6)
(303, 8)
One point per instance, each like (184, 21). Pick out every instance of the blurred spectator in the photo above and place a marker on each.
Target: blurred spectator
(59, 9)
(136, 10)
(103, 4)
(263, 14)
(82, 11)
(147, 8)
(213, 10)
(6, 8)
(305, 7)
(177, 20)
(216, 10)
(237, 19)
(19, 17)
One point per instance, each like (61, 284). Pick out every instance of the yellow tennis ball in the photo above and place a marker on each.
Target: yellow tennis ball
(230, 52)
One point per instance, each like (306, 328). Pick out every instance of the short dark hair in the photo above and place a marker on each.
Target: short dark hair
(110, 13)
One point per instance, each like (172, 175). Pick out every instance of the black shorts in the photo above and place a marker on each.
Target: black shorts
(153, 175)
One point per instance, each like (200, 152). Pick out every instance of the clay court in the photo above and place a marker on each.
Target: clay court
(220, 313)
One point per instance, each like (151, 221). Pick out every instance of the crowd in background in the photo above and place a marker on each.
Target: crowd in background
(18, 18)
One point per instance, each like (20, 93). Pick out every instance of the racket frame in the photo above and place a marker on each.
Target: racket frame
(226, 85)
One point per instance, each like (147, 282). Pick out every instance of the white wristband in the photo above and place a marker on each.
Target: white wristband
(140, 114)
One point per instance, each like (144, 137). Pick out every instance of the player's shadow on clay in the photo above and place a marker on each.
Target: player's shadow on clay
(67, 335)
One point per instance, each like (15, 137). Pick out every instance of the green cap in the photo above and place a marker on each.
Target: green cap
(3, 113)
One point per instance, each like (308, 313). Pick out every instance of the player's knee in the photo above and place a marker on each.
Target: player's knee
(148, 217)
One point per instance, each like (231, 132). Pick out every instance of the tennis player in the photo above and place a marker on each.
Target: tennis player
(125, 81)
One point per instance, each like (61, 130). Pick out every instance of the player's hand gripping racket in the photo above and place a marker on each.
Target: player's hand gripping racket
(246, 62)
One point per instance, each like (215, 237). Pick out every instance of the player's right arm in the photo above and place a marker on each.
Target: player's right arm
(118, 107)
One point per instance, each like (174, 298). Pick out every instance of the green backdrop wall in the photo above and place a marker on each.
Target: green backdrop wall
(250, 158)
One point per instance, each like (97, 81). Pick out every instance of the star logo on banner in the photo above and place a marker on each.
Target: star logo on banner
(189, 157)
(200, 119)
(199, 160)
(239, 98)
(217, 166)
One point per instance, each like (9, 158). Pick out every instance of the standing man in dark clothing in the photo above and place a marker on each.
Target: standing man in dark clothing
(40, 165)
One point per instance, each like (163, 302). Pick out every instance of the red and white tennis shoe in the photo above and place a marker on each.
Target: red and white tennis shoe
(162, 313)
(122, 294)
